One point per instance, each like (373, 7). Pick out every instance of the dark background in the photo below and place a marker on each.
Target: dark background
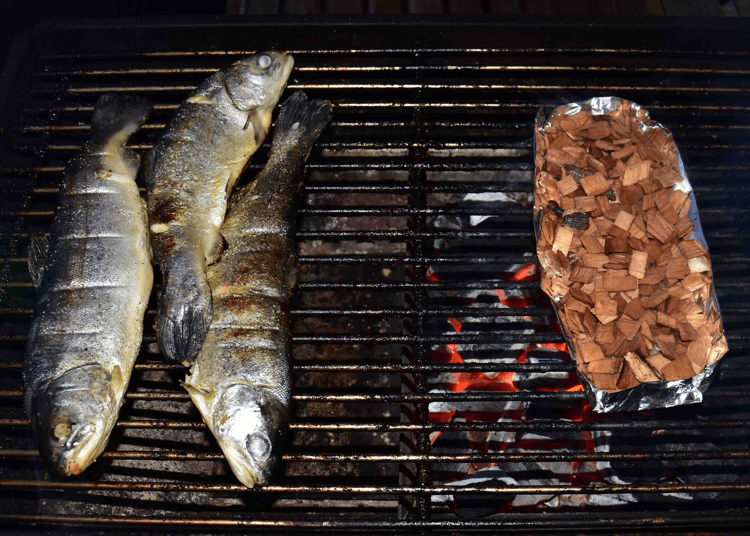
(20, 15)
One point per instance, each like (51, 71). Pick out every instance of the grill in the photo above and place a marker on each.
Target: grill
(432, 388)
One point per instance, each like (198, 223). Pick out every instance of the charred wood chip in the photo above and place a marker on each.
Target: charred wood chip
(556, 209)
(577, 220)
(578, 173)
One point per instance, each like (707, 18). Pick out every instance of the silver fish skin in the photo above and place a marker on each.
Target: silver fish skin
(190, 173)
(92, 292)
(240, 381)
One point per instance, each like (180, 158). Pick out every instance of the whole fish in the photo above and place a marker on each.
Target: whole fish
(240, 381)
(190, 173)
(93, 280)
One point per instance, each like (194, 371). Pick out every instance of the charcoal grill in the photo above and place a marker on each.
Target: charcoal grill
(407, 261)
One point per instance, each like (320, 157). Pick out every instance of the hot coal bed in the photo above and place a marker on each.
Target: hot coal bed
(432, 387)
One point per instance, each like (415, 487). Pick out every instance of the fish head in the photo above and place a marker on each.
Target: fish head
(258, 80)
(247, 423)
(72, 418)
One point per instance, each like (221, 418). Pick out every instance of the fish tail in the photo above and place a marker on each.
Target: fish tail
(119, 115)
(302, 119)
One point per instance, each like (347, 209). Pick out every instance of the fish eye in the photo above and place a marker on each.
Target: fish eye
(264, 61)
(257, 446)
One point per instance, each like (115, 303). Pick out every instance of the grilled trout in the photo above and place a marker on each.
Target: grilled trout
(240, 381)
(93, 280)
(190, 173)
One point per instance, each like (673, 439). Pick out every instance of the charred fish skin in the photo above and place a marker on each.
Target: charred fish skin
(241, 381)
(93, 285)
(190, 173)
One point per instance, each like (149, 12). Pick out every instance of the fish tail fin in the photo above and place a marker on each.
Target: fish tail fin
(119, 115)
(303, 119)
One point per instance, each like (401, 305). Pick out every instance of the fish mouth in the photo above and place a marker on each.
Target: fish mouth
(247, 423)
(286, 66)
(72, 418)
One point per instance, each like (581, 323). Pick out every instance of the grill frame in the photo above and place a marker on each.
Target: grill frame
(383, 37)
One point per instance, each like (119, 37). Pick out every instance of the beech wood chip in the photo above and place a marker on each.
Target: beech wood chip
(617, 249)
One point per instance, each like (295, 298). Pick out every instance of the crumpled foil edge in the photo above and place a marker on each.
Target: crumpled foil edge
(652, 395)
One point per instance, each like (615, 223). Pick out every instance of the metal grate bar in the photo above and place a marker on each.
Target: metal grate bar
(409, 51)
(459, 87)
(431, 458)
(537, 426)
(737, 518)
(120, 73)
(390, 490)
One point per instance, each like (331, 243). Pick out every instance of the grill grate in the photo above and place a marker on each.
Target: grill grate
(429, 131)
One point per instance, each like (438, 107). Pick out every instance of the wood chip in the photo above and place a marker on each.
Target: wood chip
(589, 351)
(583, 274)
(684, 228)
(691, 248)
(636, 173)
(641, 370)
(606, 366)
(677, 269)
(624, 220)
(563, 238)
(693, 282)
(698, 351)
(618, 283)
(595, 184)
(638, 262)
(606, 382)
(679, 369)
(622, 153)
(626, 380)
(667, 177)
(666, 320)
(634, 309)
(699, 264)
(661, 229)
(605, 309)
(605, 334)
(567, 185)
(658, 362)
(628, 326)
(586, 203)
(594, 260)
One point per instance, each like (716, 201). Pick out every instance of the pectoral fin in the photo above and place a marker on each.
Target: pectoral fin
(38, 247)
(201, 399)
(213, 255)
(254, 118)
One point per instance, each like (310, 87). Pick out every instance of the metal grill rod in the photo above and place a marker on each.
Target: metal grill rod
(405, 86)
(534, 426)
(380, 124)
(390, 490)
(510, 523)
(399, 68)
(428, 458)
(409, 51)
